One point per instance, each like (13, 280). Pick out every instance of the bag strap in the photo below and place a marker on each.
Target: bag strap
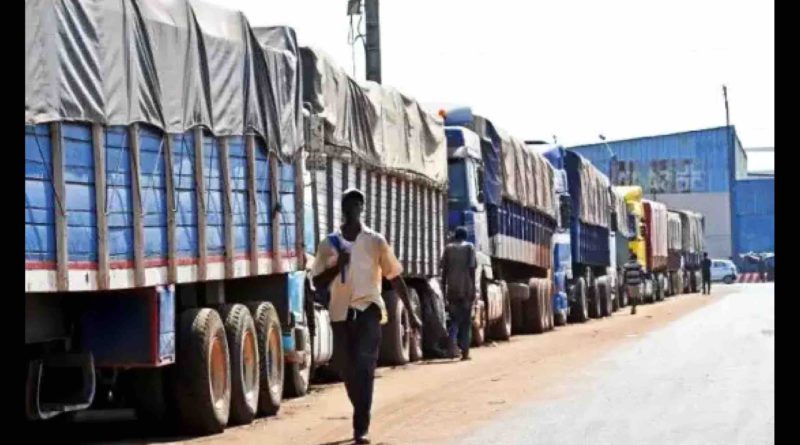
(337, 245)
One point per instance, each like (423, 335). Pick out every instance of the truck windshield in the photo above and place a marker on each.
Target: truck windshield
(458, 192)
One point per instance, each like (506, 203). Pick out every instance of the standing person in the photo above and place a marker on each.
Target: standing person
(706, 268)
(458, 271)
(351, 263)
(633, 281)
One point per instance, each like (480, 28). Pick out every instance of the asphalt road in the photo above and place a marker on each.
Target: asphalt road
(706, 378)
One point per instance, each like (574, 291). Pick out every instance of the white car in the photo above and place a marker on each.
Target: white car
(723, 270)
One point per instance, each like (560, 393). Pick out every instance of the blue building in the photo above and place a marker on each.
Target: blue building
(704, 171)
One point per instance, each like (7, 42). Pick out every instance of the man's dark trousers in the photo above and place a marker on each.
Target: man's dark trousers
(706, 284)
(356, 344)
(460, 324)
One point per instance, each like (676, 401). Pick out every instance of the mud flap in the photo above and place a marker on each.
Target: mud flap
(58, 384)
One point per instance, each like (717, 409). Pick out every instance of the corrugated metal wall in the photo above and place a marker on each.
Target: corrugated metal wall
(686, 171)
(691, 162)
(754, 210)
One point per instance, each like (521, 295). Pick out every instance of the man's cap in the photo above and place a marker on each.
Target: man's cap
(353, 192)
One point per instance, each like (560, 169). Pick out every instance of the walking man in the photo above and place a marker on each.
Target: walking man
(633, 281)
(352, 263)
(706, 268)
(458, 270)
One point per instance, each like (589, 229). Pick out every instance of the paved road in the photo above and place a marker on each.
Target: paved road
(707, 378)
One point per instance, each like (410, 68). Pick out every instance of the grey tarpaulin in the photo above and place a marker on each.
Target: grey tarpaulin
(514, 169)
(595, 198)
(674, 235)
(174, 64)
(621, 212)
(376, 123)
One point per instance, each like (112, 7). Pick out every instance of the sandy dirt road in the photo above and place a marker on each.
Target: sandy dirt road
(434, 402)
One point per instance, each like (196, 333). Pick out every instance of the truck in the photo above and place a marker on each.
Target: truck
(655, 237)
(377, 139)
(623, 232)
(585, 232)
(501, 191)
(692, 248)
(675, 271)
(166, 223)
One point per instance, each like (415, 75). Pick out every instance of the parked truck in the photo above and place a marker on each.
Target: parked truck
(381, 141)
(623, 232)
(675, 271)
(656, 240)
(166, 211)
(692, 248)
(584, 228)
(502, 192)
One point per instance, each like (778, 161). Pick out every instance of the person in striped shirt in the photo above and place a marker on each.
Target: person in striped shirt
(633, 280)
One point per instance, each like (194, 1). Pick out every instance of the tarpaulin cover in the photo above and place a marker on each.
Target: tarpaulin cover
(692, 231)
(174, 64)
(621, 212)
(674, 232)
(588, 188)
(513, 170)
(376, 123)
(656, 220)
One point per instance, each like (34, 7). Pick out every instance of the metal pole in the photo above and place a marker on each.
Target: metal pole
(372, 47)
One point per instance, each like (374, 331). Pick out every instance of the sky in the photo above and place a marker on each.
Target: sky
(570, 68)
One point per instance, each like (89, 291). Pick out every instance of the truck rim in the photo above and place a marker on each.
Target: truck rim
(218, 370)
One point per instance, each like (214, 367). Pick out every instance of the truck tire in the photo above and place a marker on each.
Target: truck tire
(415, 336)
(203, 377)
(595, 306)
(614, 291)
(622, 293)
(243, 354)
(517, 293)
(395, 334)
(693, 285)
(580, 309)
(533, 309)
(604, 295)
(479, 330)
(270, 354)
(548, 291)
(297, 375)
(501, 329)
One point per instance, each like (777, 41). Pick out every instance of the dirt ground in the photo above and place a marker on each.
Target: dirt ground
(432, 402)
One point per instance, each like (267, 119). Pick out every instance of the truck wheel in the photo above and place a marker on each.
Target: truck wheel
(298, 374)
(693, 282)
(533, 309)
(548, 301)
(270, 354)
(501, 329)
(580, 312)
(517, 293)
(203, 380)
(242, 345)
(395, 339)
(604, 295)
(415, 337)
(595, 309)
(614, 298)
(479, 330)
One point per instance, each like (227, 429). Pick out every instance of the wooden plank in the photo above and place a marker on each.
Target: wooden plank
(60, 208)
(202, 247)
(299, 210)
(275, 175)
(378, 203)
(227, 206)
(406, 215)
(172, 208)
(388, 234)
(252, 217)
(98, 145)
(138, 211)
(370, 203)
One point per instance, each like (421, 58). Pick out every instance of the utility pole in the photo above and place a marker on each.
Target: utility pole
(372, 46)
